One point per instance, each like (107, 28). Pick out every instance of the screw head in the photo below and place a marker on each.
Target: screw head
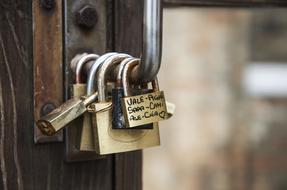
(47, 108)
(87, 17)
(48, 4)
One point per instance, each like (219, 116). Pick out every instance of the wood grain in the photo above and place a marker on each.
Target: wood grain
(48, 72)
(77, 41)
(128, 39)
(24, 165)
(224, 3)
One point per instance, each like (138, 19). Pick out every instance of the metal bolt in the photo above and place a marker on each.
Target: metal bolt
(87, 17)
(47, 108)
(48, 4)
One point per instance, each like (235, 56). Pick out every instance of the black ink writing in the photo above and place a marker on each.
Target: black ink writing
(133, 101)
(135, 109)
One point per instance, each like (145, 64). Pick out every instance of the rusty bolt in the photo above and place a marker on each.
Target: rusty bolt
(48, 4)
(47, 108)
(87, 17)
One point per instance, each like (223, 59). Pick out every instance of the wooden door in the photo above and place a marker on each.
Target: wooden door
(26, 166)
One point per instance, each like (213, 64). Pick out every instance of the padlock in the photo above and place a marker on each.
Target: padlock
(86, 141)
(145, 108)
(61, 116)
(108, 140)
(117, 95)
(57, 119)
(79, 87)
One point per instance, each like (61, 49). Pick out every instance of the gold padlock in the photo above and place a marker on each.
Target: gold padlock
(61, 116)
(79, 90)
(108, 140)
(86, 142)
(145, 108)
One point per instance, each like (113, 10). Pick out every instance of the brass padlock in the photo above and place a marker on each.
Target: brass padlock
(79, 88)
(108, 140)
(118, 94)
(145, 108)
(86, 142)
(61, 116)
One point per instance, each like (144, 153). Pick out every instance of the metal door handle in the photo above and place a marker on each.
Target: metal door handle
(152, 43)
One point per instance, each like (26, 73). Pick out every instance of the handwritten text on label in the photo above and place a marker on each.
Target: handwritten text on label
(144, 109)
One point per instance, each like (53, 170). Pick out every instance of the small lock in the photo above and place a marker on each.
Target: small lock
(145, 108)
(118, 94)
(79, 88)
(107, 139)
(61, 116)
(71, 109)
(86, 141)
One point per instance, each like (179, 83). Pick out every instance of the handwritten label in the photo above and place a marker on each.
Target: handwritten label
(144, 109)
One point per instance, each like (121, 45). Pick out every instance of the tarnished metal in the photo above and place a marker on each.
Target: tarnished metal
(145, 108)
(105, 68)
(117, 94)
(152, 42)
(48, 4)
(81, 63)
(87, 17)
(78, 41)
(93, 71)
(47, 60)
(86, 142)
(61, 116)
(108, 140)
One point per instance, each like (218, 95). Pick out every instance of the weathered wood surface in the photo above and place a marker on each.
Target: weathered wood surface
(24, 165)
(79, 40)
(48, 72)
(231, 3)
(128, 39)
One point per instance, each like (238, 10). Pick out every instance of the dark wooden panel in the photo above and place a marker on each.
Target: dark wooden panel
(232, 3)
(24, 165)
(128, 38)
(128, 171)
(48, 74)
(79, 40)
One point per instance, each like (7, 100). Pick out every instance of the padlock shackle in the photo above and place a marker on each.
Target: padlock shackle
(104, 69)
(119, 82)
(126, 77)
(79, 67)
(147, 70)
(93, 72)
(126, 73)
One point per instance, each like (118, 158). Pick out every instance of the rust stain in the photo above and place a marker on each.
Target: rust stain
(48, 74)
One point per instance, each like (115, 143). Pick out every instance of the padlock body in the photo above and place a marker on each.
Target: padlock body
(79, 90)
(109, 140)
(144, 109)
(117, 111)
(61, 116)
(85, 139)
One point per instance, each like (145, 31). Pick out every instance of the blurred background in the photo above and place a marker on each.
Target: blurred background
(226, 72)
